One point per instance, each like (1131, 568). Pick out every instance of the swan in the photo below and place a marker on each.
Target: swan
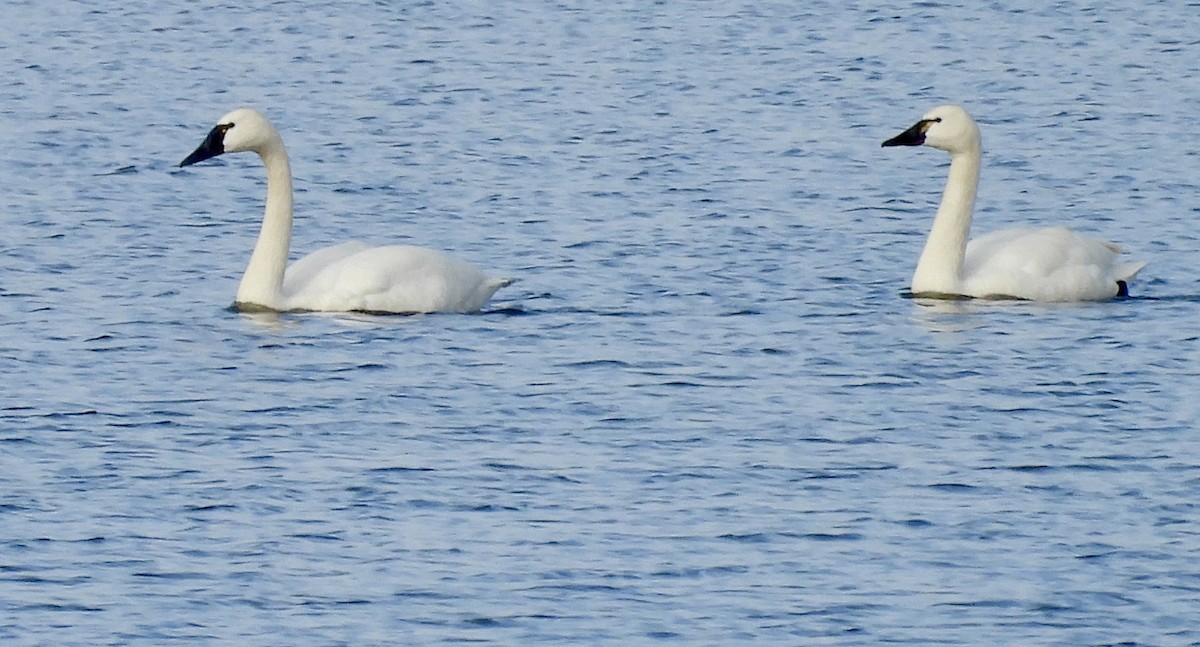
(352, 276)
(1052, 264)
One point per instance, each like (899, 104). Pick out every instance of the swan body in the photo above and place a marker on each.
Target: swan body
(1052, 264)
(352, 276)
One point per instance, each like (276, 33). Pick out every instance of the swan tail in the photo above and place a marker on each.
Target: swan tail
(503, 282)
(1127, 271)
(1125, 274)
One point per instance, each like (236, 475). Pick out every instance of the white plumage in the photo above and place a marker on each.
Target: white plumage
(352, 276)
(1053, 264)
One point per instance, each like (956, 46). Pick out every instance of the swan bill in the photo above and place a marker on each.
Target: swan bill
(213, 145)
(914, 136)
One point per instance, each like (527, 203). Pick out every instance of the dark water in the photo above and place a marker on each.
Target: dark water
(706, 413)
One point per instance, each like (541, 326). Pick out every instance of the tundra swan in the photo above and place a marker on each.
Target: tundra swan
(352, 276)
(1053, 264)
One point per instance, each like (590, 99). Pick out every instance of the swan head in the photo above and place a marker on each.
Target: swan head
(949, 128)
(244, 129)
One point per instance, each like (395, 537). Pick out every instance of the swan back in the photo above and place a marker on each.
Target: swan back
(357, 277)
(1050, 264)
(354, 276)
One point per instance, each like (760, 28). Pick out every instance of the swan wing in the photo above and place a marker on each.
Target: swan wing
(392, 278)
(1053, 264)
(304, 270)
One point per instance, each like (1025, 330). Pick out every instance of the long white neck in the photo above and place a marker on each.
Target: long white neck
(262, 283)
(940, 268)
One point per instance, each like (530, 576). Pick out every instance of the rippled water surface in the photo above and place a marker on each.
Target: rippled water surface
(706, 413)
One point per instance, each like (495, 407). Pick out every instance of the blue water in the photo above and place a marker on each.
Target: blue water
(707, 413)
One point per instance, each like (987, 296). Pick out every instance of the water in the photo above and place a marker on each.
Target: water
(706, 413)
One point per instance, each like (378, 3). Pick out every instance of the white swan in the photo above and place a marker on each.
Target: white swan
(352, 276)
(1054, 264)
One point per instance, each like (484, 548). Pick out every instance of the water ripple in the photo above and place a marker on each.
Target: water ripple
(708, 411)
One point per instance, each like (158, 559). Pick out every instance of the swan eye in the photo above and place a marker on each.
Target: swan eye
(926, 123)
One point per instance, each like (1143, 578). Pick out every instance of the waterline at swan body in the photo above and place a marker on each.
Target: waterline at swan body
(349, 277)
(1052, 264)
